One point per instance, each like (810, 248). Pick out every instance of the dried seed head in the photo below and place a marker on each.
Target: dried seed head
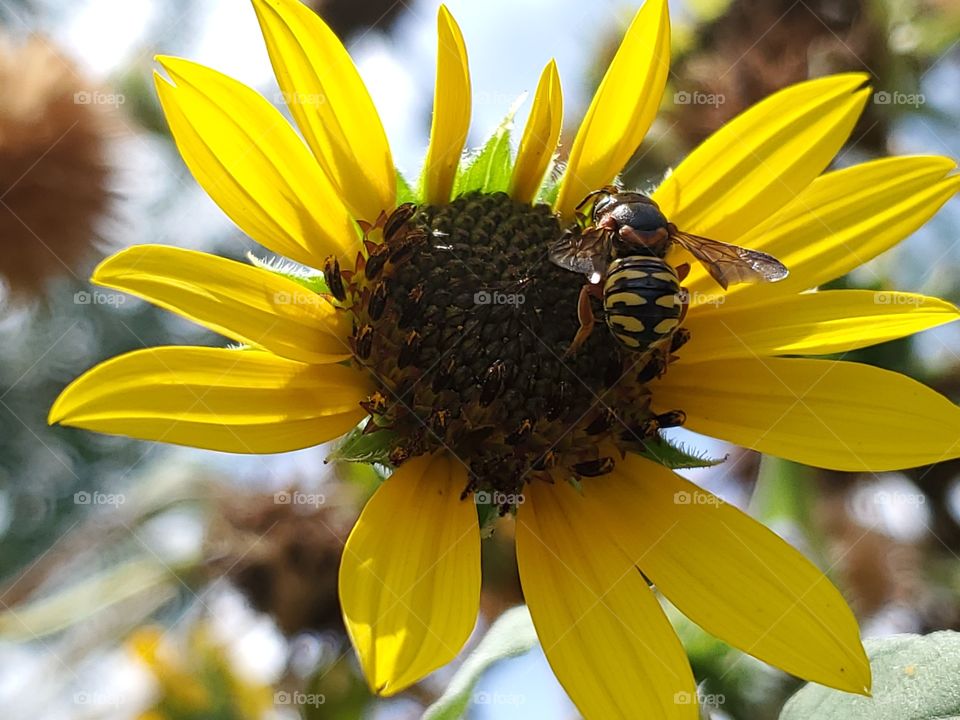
(54, 171)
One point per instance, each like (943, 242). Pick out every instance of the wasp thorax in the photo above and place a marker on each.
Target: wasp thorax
(463, 321)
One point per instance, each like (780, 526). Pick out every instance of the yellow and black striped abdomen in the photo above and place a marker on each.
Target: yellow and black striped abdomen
(642, 301)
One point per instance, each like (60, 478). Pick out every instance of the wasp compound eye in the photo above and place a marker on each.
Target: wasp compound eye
(640, 216)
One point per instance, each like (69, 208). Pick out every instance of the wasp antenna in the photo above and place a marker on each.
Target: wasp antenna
(606, 190)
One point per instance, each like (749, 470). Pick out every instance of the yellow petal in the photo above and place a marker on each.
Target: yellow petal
(731, 575)
(331, 105)
(763, 158)
(451, 111)
(410, 574)
(539, 137)
(245, 303)
(623, 107)
(843, 219)
(835, 415)
(252, 164)
(603, 631)
(243, 401)
(811, 324)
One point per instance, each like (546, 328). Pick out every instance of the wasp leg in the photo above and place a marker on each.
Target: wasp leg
(586, 318)
(682, 270)
(671, 418)
(680, 338)
(681, 335)
(649, 428)
(653, 368)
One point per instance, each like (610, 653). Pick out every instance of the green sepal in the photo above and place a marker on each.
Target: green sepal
(405, 192)
(317, 283)
(489, 170)
(360, 447)
(487, 515)
(551, 186)
(675, 456)
(308, 278)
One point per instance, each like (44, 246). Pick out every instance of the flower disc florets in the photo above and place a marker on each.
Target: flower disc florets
(463, 321)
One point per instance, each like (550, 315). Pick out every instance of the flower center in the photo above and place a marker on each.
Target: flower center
(464, 322)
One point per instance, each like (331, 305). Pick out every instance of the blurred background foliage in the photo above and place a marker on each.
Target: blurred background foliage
(144, 581)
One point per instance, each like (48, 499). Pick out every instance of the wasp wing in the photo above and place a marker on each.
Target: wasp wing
(731, 264)
(583, 252)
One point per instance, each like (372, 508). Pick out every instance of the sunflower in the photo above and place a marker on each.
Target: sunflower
(436, 339)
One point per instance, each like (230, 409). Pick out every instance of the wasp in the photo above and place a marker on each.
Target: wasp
(622, 252)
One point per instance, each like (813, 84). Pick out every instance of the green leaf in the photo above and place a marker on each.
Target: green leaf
(914, 678)
(511, 635)
(489, 171)
(405, 193)
(358, 447)
(675, 456)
